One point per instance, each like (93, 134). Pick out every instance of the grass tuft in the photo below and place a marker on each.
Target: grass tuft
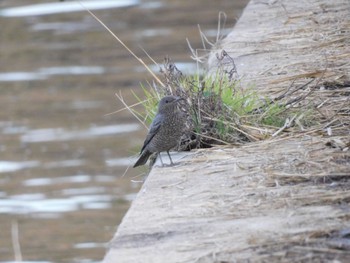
(221, 111)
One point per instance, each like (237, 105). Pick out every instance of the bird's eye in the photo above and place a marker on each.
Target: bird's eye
(166, 101)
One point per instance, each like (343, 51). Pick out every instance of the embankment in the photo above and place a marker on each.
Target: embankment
(283, 199)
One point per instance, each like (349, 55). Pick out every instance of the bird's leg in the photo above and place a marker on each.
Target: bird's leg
(160, 158)
(171, 161)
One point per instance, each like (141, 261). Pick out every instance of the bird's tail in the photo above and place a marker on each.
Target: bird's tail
(143, 158)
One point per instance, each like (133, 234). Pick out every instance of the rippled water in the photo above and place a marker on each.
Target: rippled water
(65, 7)
(63, 156)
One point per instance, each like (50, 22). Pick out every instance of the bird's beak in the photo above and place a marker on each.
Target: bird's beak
(179, 98)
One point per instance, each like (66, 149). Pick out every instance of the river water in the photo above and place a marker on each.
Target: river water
(64, 187)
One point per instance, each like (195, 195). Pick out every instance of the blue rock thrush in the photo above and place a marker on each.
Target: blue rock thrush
(165, 130)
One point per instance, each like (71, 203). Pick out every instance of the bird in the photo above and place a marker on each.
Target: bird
(165, 130)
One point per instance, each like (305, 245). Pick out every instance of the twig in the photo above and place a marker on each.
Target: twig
(212, 138)
(223, 16)
(15, 241)
(120, 97)
(286, 125)
(125, 108)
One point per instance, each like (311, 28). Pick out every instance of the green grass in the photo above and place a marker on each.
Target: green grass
(221, 110)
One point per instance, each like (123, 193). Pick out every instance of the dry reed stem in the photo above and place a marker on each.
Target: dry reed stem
(15, 241)
(121, 99)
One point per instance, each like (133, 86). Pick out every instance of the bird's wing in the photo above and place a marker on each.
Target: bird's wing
(154, 128)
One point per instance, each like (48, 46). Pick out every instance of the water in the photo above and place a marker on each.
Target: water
(65, 7)
(63, 156)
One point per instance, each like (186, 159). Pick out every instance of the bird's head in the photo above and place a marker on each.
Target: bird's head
(168, 103)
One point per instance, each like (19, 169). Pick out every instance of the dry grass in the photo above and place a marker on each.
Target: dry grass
(220, 111)
(292, 192)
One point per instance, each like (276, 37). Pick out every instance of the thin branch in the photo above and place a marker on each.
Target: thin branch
(15, 241)
(286, 125)
(120, 97)
(125, 108)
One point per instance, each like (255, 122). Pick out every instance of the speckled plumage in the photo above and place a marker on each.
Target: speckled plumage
(165, 130)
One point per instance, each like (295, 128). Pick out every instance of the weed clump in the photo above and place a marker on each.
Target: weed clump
(220, 111)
